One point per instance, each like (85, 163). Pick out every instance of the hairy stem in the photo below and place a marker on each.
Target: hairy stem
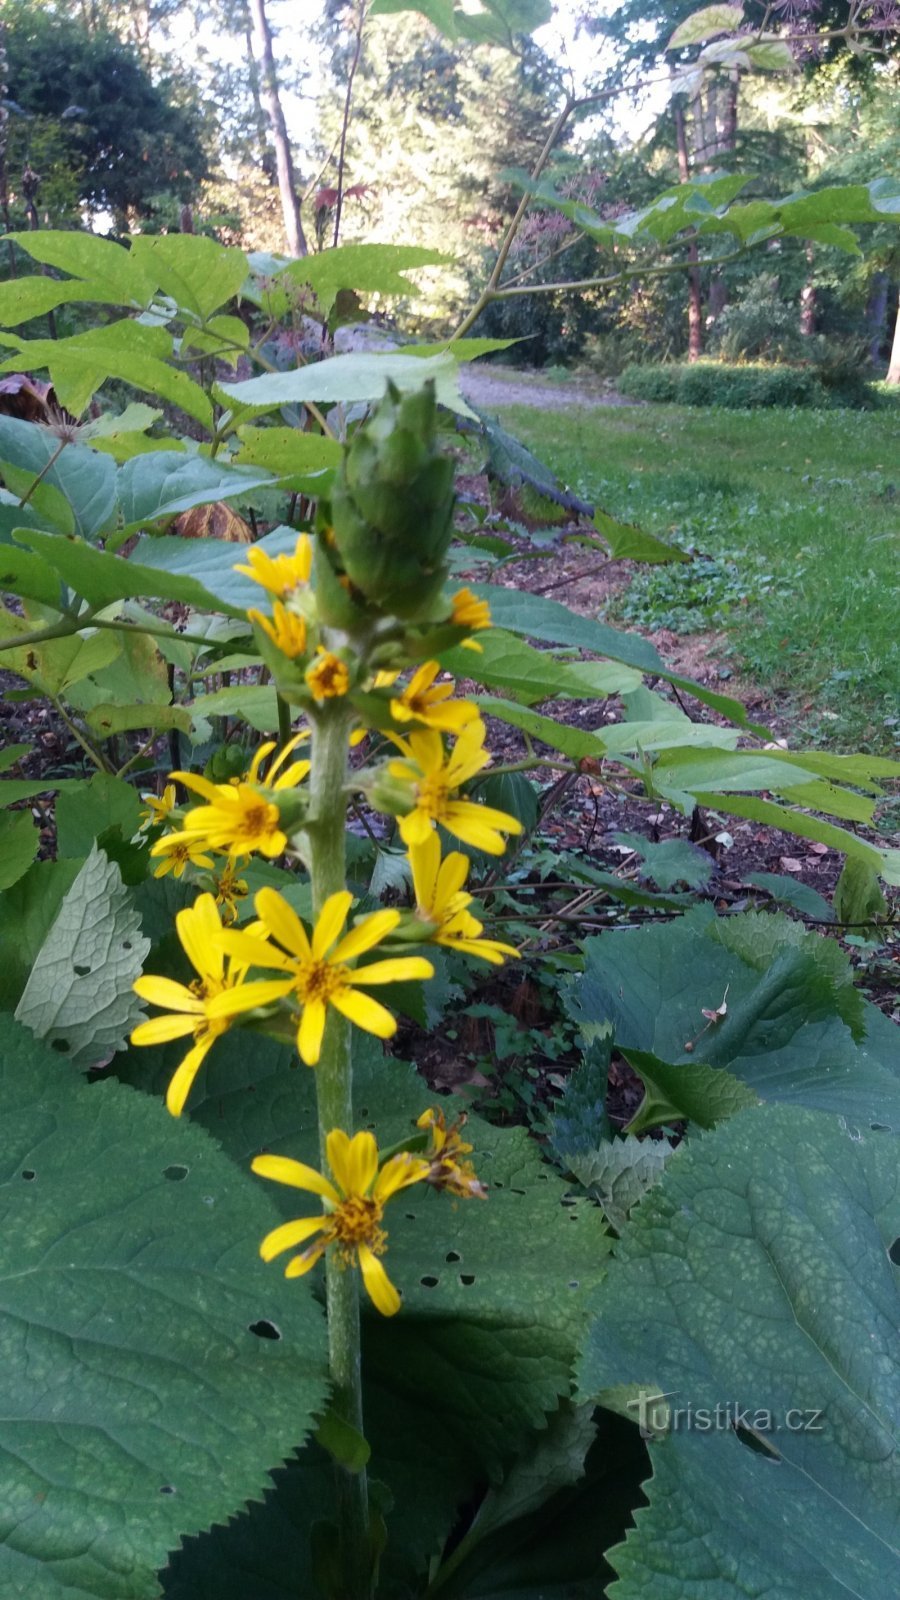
(327, 863)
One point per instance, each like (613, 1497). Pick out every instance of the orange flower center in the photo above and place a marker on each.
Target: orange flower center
(328, 678)
(355, 1221)
(319, 980)
(431, 797)
(256, 819)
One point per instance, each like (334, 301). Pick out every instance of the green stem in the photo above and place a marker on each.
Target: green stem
(328, 873)
(284, 721)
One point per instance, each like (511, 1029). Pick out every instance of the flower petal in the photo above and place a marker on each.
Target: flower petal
(180, 1086)
(289, 1234)
(330, 921)
(397, 969)
(399, 1173)
(282, 922)
(159, 1030)
(362, 1162)
(296, 1174)
(251, 950)
(415, 827)
(304, 1263)
(166, 992)
(368, 932)
(310, 1031)
(193, 780)
(451, 877)
(365, 1012)
(200, 933)
(337, 1154)
(379, 1288)
(247, 996)
(425, 862)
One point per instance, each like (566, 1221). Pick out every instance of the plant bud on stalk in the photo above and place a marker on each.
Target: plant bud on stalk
(390, 521)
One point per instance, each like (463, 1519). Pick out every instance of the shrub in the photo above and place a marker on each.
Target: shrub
(747, 386)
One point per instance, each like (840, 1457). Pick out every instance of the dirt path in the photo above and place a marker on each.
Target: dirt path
(494, 386)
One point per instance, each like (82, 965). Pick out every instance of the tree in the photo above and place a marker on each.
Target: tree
(271, 98)
(114, 139)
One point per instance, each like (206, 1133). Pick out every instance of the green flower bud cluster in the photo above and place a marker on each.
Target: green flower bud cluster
(388, 526)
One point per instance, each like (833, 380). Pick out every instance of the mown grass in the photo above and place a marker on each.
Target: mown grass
(798, 516)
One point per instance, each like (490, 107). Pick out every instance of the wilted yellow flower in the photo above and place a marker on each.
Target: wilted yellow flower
(425, 701)
(328, 677)
(179, 850)
(280, 575)
(192, 1007)
(229, 890)
(447, 1167)
(159, 808)
(354, 1207)
(319, 974)
(434, 779)
(286, 629)
(440, 899)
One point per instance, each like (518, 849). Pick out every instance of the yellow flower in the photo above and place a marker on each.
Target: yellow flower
(192, 1008)
(354, 1207)
(159, 809)
(447, 1167)
(319, 974)
(440, 899)
(178, 851)
(435, 778)
(286, 630)
(280, 575)
(328, 677)
(470, 612)
(229, 890)
(425, 701)
(242, 816)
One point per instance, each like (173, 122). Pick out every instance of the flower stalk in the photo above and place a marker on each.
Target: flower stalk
(327, 869)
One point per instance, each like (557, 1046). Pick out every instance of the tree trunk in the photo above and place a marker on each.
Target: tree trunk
(808, 300)
(893, 373)
(876, 314)
(287, 188)
(695, 294)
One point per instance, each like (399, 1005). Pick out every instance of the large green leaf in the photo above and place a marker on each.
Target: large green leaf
(24, 298)
(130, 351)
(791, 1015)
(539, 618)
(367, 268)
(19, 840)
(493, 22)
(164, 483)
(86, 809)
(493, 1292)
(756, 809)
(27, 913)
(303, 462)
(139, 1404)
(347, 380)
(84, 480)
(103, 578)
(199, 273)
(756, 1278)
(106, 265)
(79, 995)
(705, 24)
(212, 563)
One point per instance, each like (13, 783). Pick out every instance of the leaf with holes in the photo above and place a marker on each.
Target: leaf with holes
(153, 1369)
(493, 1292)
(794, 1029)
(757, 1276)
(79, 996)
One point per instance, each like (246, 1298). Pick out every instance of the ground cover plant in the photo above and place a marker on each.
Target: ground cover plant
(280, 1317)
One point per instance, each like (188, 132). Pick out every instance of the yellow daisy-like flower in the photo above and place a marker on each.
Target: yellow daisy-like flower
(440, 899)
(179, 850)
(280, 575)
(354, 1207)
(470, 612)
(328, 677)
(435, 778)
(192, 1008)
(159, 807)
(425, 701)
(242, 816)
(286, 630)
(229, 890)
(447, 1167)
(319, 974)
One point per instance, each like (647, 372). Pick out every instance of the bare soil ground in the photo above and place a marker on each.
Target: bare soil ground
(486, 387)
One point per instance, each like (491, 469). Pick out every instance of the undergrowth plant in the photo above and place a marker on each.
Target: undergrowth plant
(487, 1362)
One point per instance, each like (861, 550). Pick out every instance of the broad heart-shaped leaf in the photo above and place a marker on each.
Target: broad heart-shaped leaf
(705, 24)
(84, 480)
(19, 841)
(165, 482)
(138, 1403)
(79, 995)
(347, 380)
(785, 1029)
(539, 618)
(27, 912)
(756, 1277)
(493, 1291)
(690, 1091)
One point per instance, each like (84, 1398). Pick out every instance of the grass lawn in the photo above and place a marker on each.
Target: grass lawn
(796, 516)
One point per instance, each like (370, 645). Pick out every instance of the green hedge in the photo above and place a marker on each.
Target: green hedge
(737, 388)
